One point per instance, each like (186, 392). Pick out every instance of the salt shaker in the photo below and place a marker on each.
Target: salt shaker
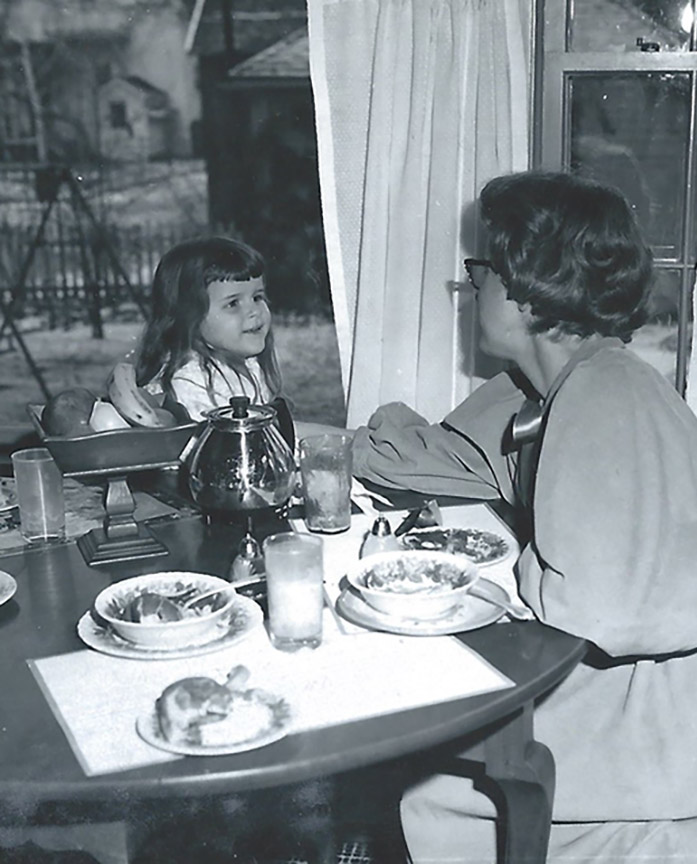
(379, 539)
(248, 564)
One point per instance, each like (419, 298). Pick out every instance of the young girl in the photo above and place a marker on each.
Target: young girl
(209, 336)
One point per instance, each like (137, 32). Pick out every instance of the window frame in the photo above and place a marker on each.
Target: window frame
(554, 66)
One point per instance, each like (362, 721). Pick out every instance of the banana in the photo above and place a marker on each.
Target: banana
(132, 402)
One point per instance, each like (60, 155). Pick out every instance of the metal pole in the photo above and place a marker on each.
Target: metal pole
(9, 309)
(99, 228)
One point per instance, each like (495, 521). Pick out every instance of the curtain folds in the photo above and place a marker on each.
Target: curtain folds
(418, 103)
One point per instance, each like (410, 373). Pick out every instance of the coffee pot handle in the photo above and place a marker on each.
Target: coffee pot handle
(190, 446)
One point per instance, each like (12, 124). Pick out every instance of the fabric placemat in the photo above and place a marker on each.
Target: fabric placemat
(84, 510)
(97, 698)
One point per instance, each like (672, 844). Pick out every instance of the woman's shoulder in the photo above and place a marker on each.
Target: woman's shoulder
(618, 368)
(616, 385)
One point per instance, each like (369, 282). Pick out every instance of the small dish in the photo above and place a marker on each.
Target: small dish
(422, 584)
(148, 728)
(480, 547)
(8, 494)
(245, 616)
(471, 614)
(194, 626)
(8, 586)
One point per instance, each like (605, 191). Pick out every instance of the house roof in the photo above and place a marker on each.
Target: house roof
(287, 58)
(156, 99)
(255, 25)
(142, 84)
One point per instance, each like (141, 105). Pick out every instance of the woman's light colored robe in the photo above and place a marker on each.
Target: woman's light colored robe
(612, 558)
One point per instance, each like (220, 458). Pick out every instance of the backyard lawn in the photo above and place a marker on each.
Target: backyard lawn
(306, 348)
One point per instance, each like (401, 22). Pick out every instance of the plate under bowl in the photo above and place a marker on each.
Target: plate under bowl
(409, 582)
(171, 634)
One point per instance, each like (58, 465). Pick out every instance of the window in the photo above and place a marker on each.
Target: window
(618, 101)
(117, 115)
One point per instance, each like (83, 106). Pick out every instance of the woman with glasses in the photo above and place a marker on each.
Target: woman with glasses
(598, 453)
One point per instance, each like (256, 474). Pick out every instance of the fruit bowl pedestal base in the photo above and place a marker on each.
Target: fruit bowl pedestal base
(121, 538)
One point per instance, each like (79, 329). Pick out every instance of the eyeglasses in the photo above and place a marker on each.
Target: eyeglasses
(476, 271)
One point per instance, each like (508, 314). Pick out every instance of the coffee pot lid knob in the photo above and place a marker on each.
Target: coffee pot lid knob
(240, 406)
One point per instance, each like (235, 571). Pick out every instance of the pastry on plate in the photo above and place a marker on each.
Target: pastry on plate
(200, 711)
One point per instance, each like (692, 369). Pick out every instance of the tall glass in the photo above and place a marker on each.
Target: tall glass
(294, 581)
(325, 469)
(39, 495)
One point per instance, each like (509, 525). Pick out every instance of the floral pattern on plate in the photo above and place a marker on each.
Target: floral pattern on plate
(481, 547)
(8, 586)
(471, 614)
(8, 495)
(245, 616)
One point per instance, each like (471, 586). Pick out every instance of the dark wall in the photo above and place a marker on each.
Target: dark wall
(260, 149)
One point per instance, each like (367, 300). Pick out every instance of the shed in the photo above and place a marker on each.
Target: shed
(134, 119)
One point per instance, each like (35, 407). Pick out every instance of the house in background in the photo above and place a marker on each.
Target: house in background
(135, 119)
(57, 60)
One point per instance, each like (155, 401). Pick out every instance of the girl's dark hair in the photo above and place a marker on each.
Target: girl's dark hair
(179, 303)
(571, 248)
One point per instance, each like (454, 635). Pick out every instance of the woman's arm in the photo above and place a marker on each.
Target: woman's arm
(461, 456)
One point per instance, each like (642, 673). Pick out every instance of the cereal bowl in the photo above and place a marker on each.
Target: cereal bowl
(148, 610)
(422, 585)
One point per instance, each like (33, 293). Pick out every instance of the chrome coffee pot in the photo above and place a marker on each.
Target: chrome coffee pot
(239, 462)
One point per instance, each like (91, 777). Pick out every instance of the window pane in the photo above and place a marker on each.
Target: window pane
(664, 23)
(632, 130)
(657, 341)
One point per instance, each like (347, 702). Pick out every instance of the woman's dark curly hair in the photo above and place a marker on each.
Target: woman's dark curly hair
(571, 249)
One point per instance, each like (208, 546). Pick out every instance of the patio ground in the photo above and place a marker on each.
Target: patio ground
(306, 347)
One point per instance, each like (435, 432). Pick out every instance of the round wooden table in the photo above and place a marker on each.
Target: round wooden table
(39, 771)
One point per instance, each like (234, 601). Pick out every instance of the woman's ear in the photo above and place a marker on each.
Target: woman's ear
(526, 314)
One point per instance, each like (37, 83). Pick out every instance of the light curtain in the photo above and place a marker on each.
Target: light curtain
(691, 387)
(418, 103)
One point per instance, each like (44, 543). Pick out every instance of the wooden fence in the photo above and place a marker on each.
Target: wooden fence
(75, 251)
(77, 272)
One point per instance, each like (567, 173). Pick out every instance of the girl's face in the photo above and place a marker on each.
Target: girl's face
(238, 318)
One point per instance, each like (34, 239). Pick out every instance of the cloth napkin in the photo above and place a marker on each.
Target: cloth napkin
(97, 698)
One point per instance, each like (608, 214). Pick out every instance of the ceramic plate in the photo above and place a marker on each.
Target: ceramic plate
(481, 547)
(471, 614)
(245, 616)
(8, 496)
(8, 586)
(149, 730)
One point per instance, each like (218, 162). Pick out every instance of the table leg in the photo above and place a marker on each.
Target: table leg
(523, 771)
